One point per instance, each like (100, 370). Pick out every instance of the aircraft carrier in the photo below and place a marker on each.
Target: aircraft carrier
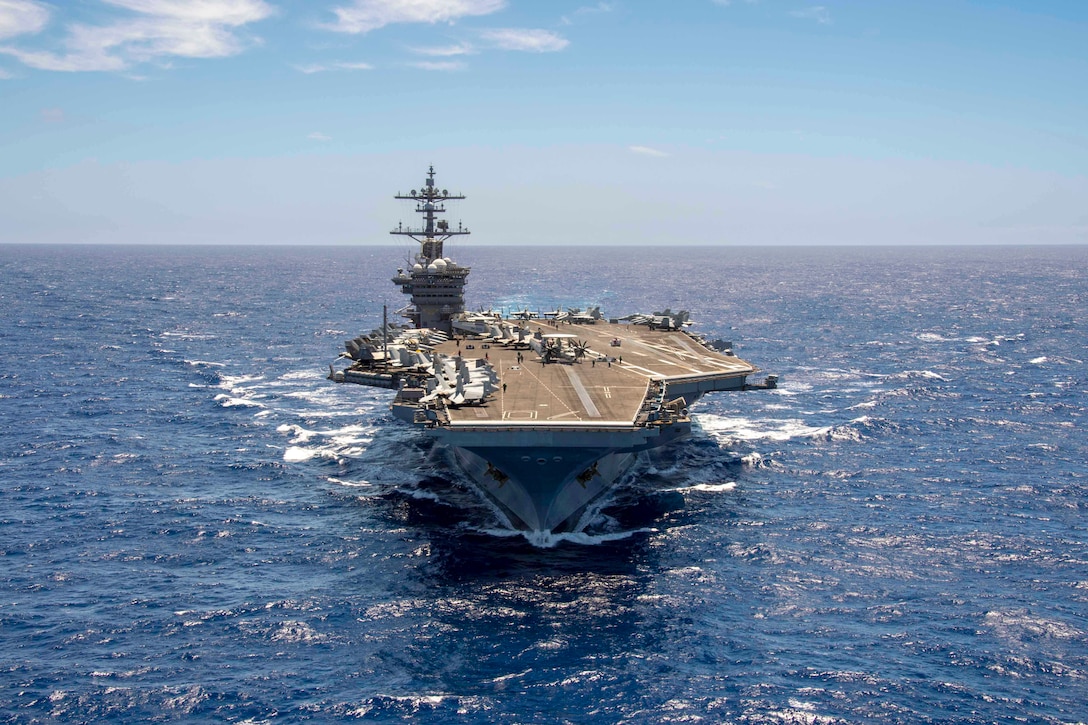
(545, 411)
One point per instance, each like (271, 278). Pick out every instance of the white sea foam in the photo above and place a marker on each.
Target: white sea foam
(911, 374)
(298, 454)
(349, 484)
(1038, 360)
(710, 487)
(749, 430)
(230, 402)
(303, 375)
(298, 632)
(1020, 624)
(345, 434)
(754, 460)
(232, 381)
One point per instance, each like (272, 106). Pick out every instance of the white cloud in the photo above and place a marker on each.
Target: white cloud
(163, 28)
(601, 7)
(318, 136)
(537, 41)
(439, 65)
(321, 68)
(362, 16)
(18, 17)
(446, 51)
(646, 151)
(817, 12)
(5, 75)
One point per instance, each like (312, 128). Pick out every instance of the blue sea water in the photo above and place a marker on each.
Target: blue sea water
(195, 525)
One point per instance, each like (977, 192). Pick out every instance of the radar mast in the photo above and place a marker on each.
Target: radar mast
(435, 282)
(429, 202)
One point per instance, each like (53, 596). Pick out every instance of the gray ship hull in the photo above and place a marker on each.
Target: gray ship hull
(544, 479)
(543, 496)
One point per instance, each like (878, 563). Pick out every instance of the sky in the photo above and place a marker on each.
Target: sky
(618, 122)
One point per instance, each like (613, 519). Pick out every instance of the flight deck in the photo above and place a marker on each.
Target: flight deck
(607, 385)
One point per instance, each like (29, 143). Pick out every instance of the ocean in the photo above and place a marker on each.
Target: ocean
(196, 526)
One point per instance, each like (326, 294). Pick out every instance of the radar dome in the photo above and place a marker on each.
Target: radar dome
(440, 264)
(432, 267)
(417, 267)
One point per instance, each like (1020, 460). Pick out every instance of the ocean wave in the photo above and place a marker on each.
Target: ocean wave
(915, 375)
(298, 454)
(349, 484)
(295, 632)
(752, 430)
(1019, 625)
(726, 487)
(228, 401)
(204, 364)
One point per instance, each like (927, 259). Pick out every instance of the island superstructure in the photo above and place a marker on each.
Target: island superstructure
(545, 412)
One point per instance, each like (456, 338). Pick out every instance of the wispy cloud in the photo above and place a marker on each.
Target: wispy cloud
(446, 51)
(318, 136)
(161, 29)
(362, 16)
(19, 17)
(325, 67)
(447, 66)
(646, 151)
(601, 7)
(817, 12)
(537, 41)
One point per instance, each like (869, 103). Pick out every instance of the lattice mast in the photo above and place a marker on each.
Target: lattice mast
(435, 282)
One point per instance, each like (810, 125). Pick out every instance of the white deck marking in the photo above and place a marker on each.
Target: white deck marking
(583, 394)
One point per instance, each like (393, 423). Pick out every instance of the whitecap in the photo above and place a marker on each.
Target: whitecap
(349, 484)
(303, 375)
(228, 402)
(927, 374)
(709, 487)
(298, 632)
(298, 454)
(1038, 360)
(753, 460)
(773, 430)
